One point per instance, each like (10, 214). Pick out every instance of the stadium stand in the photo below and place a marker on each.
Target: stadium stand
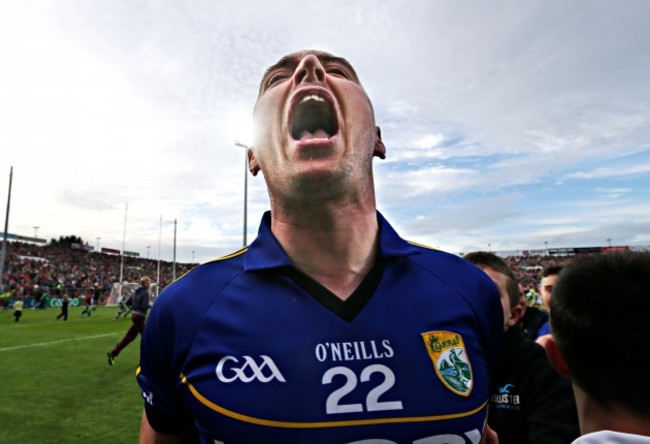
(35, 271)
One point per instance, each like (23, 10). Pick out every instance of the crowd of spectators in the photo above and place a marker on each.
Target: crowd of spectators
(34, 271)
(528, 271)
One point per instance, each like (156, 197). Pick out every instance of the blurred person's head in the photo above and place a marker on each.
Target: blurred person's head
(506, 282)
(550, 274)
(600, 313)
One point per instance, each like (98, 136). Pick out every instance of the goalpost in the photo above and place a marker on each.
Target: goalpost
(127, 289)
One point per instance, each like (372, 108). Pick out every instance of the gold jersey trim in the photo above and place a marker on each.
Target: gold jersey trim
(321, 424)
(428, 247)
(231, 255)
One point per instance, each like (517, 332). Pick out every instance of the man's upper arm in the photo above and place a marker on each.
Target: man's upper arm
(161, 350)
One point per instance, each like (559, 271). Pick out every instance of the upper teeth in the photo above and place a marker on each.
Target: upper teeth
(312, 97)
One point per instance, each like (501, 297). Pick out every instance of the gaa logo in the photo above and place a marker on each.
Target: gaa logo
(148, 396)
(230, 369)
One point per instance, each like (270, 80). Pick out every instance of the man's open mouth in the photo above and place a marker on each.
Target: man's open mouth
(314, 118)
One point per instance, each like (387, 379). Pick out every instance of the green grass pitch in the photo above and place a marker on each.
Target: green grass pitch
(55, 382)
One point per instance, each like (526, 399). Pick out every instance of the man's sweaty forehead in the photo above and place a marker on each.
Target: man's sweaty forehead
(293, 59)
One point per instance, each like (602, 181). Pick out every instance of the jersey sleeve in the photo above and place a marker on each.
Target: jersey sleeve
(482, 296)
(479, 294)
(158, 374)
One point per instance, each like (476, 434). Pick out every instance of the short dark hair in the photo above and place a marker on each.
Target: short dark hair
(551, 269)
(488, 259)
(600, 313)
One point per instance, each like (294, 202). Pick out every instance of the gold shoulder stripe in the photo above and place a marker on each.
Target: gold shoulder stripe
(322, 424)
(137, 371)
(422, 245)
(231, 255)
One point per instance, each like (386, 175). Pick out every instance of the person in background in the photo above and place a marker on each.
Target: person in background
(140, 305)
(550, 274)
(64, 308)
(18, 309)
(529, 401)
(42, 300)
(600, 313)
(124, 305)
(88, 304)
(97, 295)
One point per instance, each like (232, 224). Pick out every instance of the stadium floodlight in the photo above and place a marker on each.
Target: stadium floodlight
(245, 189)
(3, 254)
(126, 210)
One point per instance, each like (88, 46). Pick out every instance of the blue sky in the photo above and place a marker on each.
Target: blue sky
(509, 124)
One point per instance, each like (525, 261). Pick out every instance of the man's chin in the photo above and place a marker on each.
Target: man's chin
(319, 177)
(319, 184)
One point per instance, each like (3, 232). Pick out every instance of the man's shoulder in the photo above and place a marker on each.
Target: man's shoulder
(460, 276)
(447, 266)
(434, 256)
(204, 280)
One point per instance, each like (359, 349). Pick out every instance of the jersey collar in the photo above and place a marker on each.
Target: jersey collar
(265, 252)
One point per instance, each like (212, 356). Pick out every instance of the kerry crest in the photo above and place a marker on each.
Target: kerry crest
(450, 361)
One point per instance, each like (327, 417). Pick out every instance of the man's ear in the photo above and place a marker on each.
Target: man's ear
(380, 149)
(517, 312)
(556, 358)
(253, 164)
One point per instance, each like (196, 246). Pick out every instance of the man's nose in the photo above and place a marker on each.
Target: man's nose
(309, 70)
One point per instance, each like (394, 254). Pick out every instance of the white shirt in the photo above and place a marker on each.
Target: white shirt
(610, 437)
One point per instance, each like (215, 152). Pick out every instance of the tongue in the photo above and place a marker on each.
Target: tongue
(319, 134)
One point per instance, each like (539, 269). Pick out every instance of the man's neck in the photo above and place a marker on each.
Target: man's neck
(336, 247)
(593, 417)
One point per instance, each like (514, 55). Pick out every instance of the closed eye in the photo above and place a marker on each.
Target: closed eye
(338, 72)
(275, 78)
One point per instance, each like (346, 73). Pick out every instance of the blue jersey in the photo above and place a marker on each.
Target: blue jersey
(246, 349)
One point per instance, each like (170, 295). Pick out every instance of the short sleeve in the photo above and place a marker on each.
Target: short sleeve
(158, 374)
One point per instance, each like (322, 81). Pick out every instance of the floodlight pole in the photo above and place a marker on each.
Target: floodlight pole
(245, 190)
(174, 262)
(126, 210)
(159, 239)
(3, 255)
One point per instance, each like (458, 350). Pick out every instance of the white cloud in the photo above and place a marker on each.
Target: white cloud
(600, 173)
